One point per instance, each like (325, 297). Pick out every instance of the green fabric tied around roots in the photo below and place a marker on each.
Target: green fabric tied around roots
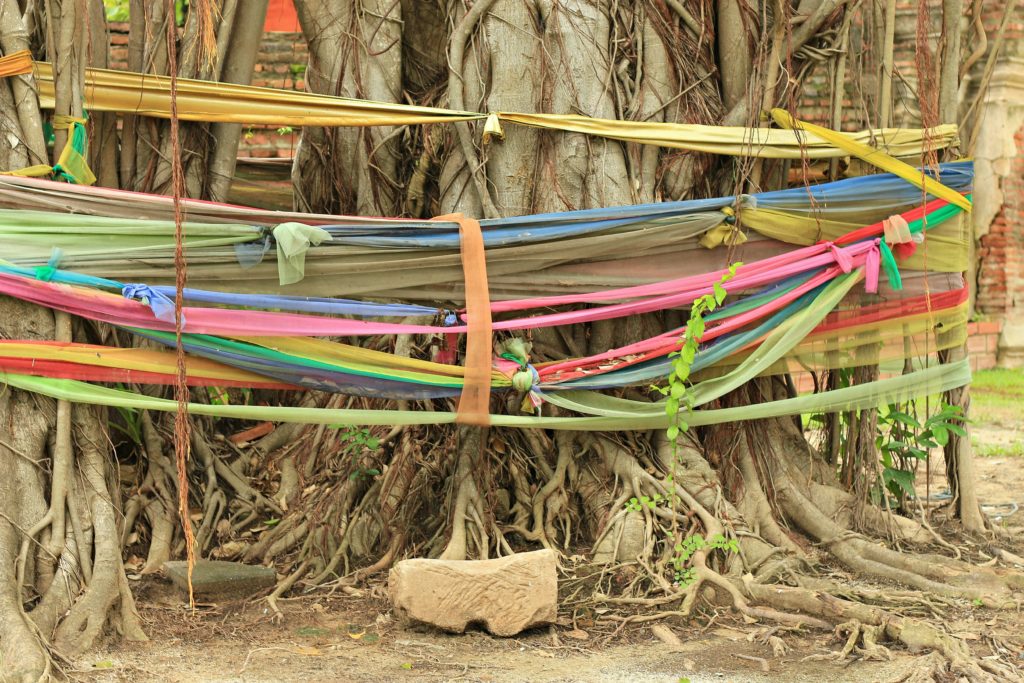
(930, 380)
(72, 166)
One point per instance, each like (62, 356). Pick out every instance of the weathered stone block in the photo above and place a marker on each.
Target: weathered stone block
(505, 596)
(219, 580)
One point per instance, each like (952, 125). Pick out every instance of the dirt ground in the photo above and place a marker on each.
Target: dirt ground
(352, 637)
(355, 639)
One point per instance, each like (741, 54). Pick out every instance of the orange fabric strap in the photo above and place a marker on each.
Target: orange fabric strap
(16, 63)
(474, 403)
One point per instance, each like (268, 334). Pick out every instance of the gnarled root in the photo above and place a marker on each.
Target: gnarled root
(914, 634)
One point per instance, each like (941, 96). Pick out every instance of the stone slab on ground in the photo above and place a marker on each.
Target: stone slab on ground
(505, 596)
(221, 580)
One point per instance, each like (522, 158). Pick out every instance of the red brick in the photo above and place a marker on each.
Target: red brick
(977, 344)
(986, 362)
(988, 327)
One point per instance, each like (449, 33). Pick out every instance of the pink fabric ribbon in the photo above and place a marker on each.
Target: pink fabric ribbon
(116, 310)
(872, 264)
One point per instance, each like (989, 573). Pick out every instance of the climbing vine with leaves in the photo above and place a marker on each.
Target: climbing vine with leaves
(678, 401)
(678, 397)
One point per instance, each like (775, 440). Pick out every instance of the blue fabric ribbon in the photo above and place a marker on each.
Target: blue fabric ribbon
(160, 303)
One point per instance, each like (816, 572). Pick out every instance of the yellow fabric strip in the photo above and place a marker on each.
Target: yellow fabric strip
(946, 250)
(769, 143)
(875, 157)
(149, 95)
(37, 171)
(323, 350)
(143, 360)
(886, 341)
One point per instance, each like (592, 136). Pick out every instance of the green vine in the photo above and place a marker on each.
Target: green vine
(678, 400)
(684, 550)
(677, 392)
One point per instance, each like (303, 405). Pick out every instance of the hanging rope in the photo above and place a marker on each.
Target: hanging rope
(182, 428)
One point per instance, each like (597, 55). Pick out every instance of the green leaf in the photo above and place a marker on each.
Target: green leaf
(941, 435)
(678, 390)
(720, 293)
(956, 429)
(671, 406)
(908, 420)
(698, 327)
(688, 353)
(902, 478)
(673, 432)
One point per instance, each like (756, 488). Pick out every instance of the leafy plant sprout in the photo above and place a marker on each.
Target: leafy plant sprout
(678, 401)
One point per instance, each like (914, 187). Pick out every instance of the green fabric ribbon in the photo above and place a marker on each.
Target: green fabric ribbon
(293, 241)
(892, 271)
(872, 394)
(72, 167)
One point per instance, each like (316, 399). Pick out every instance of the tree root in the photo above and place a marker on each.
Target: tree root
(914, 634)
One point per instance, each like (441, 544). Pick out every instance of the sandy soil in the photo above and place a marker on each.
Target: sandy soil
(353, 637)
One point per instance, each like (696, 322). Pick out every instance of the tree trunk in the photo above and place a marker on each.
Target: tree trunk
(769, 500)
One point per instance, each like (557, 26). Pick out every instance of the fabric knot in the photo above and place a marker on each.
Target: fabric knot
(492, 128)
(527, 380)
(45, 273)
(523, 379)
(293, 241)
(250, 254)
(898, 236)
(161, 305)
(723, 233)
(842, 259)
(450, 319)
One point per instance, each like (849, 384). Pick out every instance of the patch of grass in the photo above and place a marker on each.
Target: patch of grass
(1000, 450)
(996, 396)
(999, 381)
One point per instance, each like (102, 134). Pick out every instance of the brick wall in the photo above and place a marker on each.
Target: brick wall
(983, 344)
(280, 63)
(1001, 250)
